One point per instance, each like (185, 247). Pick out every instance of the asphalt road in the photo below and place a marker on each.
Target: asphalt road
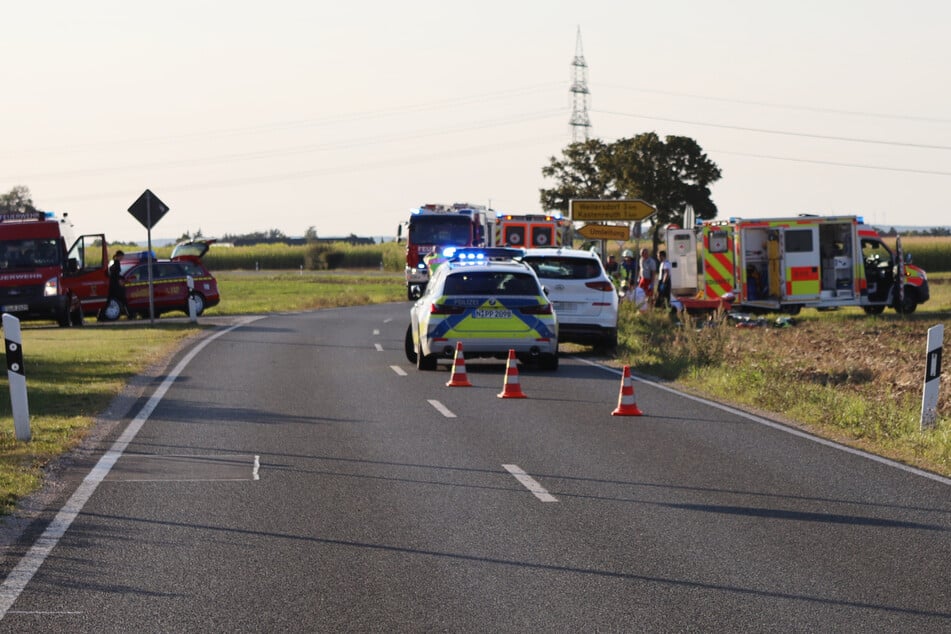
(296, 473)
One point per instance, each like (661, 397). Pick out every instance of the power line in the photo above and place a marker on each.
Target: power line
(778, 132)
(329, 120)
(766, 104)
(326, 171)
(835, 163)
(301, 149)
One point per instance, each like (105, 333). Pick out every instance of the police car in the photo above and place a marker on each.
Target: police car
(489, 301)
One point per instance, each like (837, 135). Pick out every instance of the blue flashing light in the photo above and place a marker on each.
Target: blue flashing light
(448, 252)
(861, 220)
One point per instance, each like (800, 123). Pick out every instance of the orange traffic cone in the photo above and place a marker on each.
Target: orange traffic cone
(459, 378)
(625, 402)
(511, 388)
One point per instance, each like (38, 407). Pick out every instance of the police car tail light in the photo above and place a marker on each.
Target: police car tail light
(540, 309)
(445, 309)
(605, 286)
(51, 287)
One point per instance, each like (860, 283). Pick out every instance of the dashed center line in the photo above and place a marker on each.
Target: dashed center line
(442, 409)
(378, 346)
(400, 371)
(530, 483)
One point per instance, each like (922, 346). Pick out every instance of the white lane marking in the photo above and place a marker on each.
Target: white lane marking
(23, 572)
(256, 468)
(779, 426)
(530, 483)
(400, 371)
(379, 347)
(376, 332)
(442, 409)
(387, 320)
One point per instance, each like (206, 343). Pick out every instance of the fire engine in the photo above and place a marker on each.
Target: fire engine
(786, 264)
(434, 226)
(533, 230)
(40, 279)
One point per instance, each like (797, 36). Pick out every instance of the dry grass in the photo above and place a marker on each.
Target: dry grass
(843, 375)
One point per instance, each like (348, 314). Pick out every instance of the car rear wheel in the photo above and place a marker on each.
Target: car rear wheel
(908, 304)
(408, 345)
(548, 362)
(608, 342)
(425, 363)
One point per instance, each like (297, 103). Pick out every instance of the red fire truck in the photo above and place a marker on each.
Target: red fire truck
(432, 227)
(41, 279)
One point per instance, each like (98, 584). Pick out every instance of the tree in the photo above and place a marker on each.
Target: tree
(669, 174)
(17, 200)
(582, 172)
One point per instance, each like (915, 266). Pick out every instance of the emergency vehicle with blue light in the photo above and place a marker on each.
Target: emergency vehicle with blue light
(532, 231)
(490, 302)
(432, 227)
(786, 264)
(41, 279)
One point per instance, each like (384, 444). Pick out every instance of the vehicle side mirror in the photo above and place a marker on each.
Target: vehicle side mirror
(546, 291)
(72, 265)
(907, 258)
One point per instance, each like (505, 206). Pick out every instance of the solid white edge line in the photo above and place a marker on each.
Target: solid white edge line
(529, 483)
(780, 426)
(442, 409)
(400, 371)
(23, 572)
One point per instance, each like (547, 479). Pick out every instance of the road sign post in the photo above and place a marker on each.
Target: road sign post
(148, 210)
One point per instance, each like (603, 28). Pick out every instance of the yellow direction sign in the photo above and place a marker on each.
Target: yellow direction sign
(609, 210)
(605, 232)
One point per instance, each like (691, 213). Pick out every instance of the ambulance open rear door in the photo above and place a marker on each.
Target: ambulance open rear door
(682, 255)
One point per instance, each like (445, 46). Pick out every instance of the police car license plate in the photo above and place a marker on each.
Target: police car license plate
(14, 308)
(491, 314)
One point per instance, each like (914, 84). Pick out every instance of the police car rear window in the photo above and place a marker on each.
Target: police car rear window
(559, 268)
(491, 283)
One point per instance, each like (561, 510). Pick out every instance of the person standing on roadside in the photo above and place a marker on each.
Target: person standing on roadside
(628, 268)
(663, 279)
(647, 275)
(116, 288)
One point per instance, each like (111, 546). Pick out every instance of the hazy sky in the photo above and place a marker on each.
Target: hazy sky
(250, 116)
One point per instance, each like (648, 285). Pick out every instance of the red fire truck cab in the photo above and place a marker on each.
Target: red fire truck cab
(41, 279)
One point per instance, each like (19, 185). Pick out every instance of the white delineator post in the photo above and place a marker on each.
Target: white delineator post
(929, 395)
(16, 377)
(191, 304)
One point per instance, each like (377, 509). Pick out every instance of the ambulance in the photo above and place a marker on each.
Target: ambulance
(787, 264)
(532, 231)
